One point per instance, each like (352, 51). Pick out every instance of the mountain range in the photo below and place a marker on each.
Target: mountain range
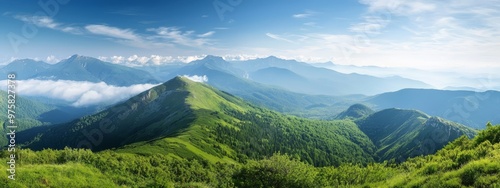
(286, 86)
(227, 76)
(470, 108)
(79, 68)
(194, 120)
(286, 74)
(305, 78)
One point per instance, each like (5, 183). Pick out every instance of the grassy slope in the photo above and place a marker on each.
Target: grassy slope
(462, 163)
(58, 175)
(223, 113)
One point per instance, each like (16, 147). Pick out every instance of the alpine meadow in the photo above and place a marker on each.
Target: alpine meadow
(249, 94)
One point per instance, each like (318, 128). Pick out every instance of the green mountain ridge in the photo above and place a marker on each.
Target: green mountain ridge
(181, 118)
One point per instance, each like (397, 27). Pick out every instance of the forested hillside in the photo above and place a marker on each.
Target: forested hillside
(399, 134)
(462, 163)
(26, 116)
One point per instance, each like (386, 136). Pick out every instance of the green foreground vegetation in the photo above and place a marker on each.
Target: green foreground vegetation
(463, 163)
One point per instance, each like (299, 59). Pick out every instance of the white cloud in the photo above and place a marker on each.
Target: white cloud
(451, 36)
(277, 37)
(74, 30)
(403, 7)
(113, 59)
(52, 59)
(241, 57)
(47, 22)
(301, 15)
(153, 60)
(417, 7)
(197, 78)
(207, 34)
(184, 38)
(187, 59)
(158, 60)
(160, 38)
(78, 93)
(306, 14)
(112, 32)
(311, 24)
(40, 21)
(371, 25)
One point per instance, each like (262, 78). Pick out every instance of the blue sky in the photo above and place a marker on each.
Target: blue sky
(454, 35)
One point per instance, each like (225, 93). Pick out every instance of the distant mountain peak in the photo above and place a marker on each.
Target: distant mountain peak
(212, 62)
(209, 59)
(272, 57)
(75, 57)
(79, 60)
(213, 57)
(25, 61)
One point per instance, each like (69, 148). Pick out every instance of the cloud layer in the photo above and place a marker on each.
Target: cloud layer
(197, 78)
(153, 60)
(77, 93)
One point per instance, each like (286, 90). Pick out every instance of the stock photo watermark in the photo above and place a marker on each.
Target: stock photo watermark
(50, 8)
(223, 6)
(11, 125)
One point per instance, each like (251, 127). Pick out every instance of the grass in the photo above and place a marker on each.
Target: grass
(62, 175)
